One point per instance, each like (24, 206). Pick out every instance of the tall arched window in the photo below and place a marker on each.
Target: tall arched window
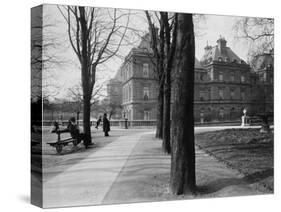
(221, 93)
(232, 93)
(232, 77)
(146, 115)
(232, 113)
(243, 94)
(209, 114)
(145, 93)
(201, 94)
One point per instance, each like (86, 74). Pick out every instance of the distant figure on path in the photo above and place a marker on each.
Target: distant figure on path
(98, 122)
(106, 125)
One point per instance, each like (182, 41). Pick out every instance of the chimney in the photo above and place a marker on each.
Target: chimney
(207, 47)
(221, 43)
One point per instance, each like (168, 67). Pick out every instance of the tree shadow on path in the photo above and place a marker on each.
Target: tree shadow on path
(219, 184)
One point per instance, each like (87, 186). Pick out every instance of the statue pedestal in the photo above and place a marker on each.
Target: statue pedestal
(244, 121)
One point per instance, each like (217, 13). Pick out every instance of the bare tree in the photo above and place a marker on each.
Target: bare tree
(170, 28)
(183, 152)
(111, 108)
(157, 45)
(95, 35)
(163, 45)
(259, 32)
(76, 95)
(44, 56)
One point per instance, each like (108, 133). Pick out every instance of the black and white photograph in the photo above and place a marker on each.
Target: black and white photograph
(131, 106)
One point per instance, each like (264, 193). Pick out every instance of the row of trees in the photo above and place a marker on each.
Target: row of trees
(96, 35)
(173, 45)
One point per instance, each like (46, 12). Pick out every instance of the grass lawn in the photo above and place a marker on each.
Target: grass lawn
(246, 150)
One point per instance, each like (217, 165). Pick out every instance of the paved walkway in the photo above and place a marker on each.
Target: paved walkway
(133, 169)
(147, 168)
(88, 181)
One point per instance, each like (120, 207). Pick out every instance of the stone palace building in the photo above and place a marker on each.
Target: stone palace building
(224, 85)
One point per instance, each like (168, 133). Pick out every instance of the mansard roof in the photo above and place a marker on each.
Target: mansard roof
(145, 49)
(219, 52)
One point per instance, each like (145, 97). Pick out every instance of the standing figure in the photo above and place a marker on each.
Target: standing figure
(106, 125)
(98, 122)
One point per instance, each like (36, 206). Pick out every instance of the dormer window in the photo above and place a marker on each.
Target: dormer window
(235, 61)
(220, 59)
(227, 59)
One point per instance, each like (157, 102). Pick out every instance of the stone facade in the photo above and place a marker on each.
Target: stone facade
(140, 89)
(224, 85)
(114, 89)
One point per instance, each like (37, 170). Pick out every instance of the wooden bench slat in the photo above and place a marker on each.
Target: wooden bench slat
(68, 140)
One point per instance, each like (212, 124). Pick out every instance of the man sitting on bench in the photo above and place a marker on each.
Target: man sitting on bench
(73, 128)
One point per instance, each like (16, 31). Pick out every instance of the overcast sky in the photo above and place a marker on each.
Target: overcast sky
(210, 28)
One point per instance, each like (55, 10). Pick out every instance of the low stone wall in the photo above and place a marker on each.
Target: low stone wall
(142, 123)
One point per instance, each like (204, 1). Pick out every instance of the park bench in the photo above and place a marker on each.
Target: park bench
(62, 142)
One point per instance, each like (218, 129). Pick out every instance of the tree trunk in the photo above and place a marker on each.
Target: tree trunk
(183, 151)
(159, 121)
(170, 46)
(86, 120)
(85, 70)
(166, 145)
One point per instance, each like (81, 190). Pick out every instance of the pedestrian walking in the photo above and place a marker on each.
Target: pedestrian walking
(98, 122)
(106, 125)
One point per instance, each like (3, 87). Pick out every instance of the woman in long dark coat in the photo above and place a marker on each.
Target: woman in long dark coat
(106, 125)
